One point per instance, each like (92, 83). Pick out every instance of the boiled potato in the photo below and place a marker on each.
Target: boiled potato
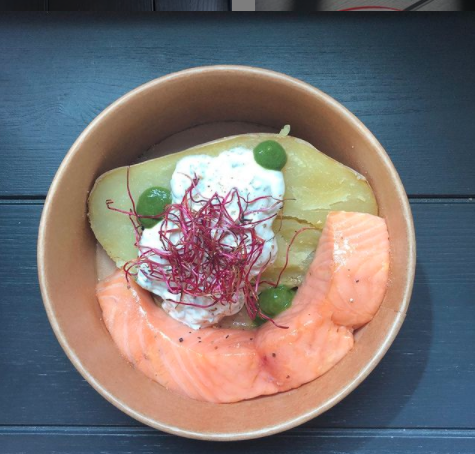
(300, 254)
(315, 185)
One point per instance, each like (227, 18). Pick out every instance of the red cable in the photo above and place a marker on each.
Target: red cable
(359, 8)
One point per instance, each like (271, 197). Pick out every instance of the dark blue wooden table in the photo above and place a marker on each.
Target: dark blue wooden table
(411, 79)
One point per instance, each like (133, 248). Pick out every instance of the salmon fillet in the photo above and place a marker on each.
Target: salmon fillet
(343, 289)
(351, 268)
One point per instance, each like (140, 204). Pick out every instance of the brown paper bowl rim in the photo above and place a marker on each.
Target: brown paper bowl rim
(266, 430)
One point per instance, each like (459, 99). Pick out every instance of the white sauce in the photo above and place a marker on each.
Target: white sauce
(235, 168)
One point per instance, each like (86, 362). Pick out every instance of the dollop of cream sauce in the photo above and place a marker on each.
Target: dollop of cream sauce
(232, 169)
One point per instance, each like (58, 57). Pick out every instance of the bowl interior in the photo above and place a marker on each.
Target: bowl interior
(132, 125)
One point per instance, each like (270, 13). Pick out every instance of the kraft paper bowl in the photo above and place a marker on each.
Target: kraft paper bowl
(129, 127)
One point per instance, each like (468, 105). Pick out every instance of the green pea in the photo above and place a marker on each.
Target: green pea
(270, 155)
(153, 201)
(273, 301)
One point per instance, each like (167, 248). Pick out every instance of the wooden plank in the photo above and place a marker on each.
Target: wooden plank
(427, 379)
(100, 5)
(145, 441)
(191, 5)
(22, 5)
(424, 370)
(422, 113)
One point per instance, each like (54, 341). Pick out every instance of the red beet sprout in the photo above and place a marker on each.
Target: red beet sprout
(205, 251)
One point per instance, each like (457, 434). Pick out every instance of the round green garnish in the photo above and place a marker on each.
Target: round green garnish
(273, 301)
(270, 155)
(152, 202)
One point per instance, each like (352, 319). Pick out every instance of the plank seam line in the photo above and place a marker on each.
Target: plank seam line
(125, 431)
(7, 198)
(442, 196)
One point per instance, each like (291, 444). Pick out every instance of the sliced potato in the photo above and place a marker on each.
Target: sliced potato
(315, 185)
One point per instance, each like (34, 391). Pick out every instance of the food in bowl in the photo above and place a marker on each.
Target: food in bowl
(220, 294)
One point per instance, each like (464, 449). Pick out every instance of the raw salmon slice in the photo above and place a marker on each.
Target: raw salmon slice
(228, 365)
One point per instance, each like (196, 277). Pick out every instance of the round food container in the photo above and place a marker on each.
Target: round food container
(155, 113)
